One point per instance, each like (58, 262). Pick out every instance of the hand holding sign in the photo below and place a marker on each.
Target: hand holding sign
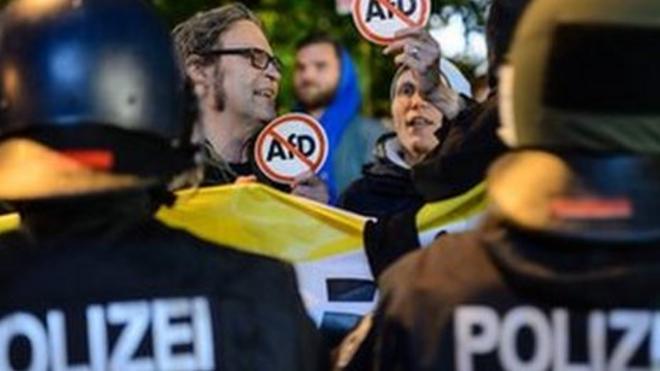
(310, 186)
(379, 20)
(417, 50)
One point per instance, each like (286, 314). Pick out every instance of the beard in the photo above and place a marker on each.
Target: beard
(243, 104)
(312, 96)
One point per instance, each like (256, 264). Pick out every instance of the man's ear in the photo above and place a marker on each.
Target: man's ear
(198, 74)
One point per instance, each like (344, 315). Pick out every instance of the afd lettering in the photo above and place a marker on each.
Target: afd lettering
(481, 331)
(304, 143)
(180, 333)
(377, 11)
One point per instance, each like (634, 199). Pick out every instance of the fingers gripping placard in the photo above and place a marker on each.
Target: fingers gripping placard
(379, 20)
(291, 145)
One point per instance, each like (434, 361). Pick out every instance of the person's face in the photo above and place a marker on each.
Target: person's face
(316, 75)
(241, 88)
(415, 120)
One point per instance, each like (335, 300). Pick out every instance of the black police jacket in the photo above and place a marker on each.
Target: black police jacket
(503, 299)
(98, 282)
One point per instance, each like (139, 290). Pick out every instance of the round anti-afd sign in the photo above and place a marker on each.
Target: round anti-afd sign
(379, 20)
(289, 146)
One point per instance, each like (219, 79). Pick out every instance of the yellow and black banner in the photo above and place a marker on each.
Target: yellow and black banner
(324, 244)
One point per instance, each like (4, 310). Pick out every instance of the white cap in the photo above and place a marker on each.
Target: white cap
(455, 78)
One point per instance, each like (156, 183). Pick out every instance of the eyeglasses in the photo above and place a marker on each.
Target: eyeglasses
(260, 59)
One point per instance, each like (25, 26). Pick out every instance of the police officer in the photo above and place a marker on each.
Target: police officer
(92, 132)
(564, 274)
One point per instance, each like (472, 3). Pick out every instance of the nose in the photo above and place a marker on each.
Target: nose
(273, 73)
(416, 101)
(306, 74)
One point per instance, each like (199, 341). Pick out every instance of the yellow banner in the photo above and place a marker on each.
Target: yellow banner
(324, 244)
(438, 214)
(9, 222)
(264, 221)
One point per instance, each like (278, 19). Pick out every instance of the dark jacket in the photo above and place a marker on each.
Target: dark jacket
(464, 155)
(386, 186)
(106, 282)
(218, 172)
(501, 299)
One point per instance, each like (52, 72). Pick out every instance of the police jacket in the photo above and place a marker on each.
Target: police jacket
(97, 282)
(503, 299)
(386, 185)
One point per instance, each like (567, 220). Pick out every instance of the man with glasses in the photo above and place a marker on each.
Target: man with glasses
(236, 80)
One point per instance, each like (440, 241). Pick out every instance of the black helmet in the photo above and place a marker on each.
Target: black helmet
(579, 102)
(98, 74)
(583, 76)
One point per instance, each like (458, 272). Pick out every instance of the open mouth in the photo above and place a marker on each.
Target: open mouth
(265, 93)
(419, 122)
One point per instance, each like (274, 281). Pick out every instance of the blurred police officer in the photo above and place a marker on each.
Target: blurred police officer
(92, 132)
(564, 274)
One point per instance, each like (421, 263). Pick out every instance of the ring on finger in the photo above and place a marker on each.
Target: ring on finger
(414, 52)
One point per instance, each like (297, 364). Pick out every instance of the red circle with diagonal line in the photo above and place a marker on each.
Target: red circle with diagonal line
(291, 160)
(401, 20)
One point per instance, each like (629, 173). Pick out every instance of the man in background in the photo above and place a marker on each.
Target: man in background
(326, 86)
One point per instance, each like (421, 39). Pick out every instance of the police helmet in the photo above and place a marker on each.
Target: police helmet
(583, 76)
(579, 103)
(95, 75)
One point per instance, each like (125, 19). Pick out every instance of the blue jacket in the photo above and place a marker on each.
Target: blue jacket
(342, 113)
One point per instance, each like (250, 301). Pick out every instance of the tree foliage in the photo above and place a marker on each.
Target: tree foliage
(288, 21)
